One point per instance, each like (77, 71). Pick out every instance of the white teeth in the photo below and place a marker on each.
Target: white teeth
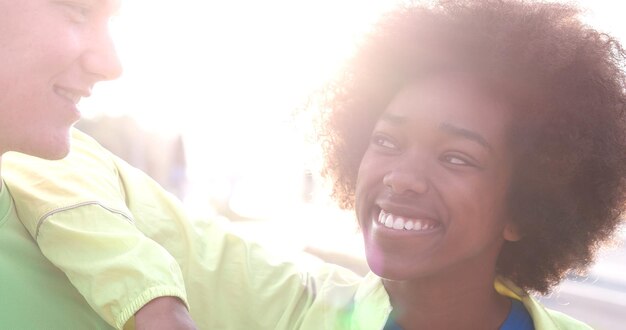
(399, 223)
(389, 222)
(70, 96)
(418, 225)
(408, 225)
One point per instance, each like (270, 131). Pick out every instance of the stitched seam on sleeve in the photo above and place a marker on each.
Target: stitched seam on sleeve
(57, 210)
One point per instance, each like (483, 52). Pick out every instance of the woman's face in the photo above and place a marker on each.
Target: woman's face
(432, 185)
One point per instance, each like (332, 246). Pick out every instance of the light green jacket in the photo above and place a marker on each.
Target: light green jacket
(123, 240)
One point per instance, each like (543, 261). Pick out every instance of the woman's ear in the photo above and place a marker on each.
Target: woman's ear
(511, 232)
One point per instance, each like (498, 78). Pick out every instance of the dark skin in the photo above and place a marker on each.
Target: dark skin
(427, 305)
(164, 313)
(431, 201)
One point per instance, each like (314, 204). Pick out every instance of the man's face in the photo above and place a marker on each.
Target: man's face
(53, 52)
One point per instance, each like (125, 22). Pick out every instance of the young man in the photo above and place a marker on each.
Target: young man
(53, 53)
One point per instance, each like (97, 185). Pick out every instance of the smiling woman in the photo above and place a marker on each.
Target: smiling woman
(438, 158)
(479, 141)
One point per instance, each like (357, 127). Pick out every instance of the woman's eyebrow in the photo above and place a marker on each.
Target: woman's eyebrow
(465, 133)
(392, 118)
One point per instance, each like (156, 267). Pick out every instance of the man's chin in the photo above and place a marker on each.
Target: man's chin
(50, 151)
(57, 153)
(57, 147)
(56, 156)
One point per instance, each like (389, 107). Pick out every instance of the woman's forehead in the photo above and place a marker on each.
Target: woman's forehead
(460, 94)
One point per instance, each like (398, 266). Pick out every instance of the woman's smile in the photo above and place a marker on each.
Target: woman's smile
(403, 223)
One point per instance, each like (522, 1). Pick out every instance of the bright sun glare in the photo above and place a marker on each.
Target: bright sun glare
(227, 75)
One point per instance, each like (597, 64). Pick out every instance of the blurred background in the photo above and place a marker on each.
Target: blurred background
(205, 106)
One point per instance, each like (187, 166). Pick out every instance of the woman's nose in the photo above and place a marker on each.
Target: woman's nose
(402, 180)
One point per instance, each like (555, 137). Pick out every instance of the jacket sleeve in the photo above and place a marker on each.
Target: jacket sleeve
(231, 283)
(76, 211)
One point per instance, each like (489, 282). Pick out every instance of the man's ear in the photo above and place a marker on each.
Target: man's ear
(511, 232)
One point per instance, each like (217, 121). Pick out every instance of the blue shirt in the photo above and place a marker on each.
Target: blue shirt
(518, 319)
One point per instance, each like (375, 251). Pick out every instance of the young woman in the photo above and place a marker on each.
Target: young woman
(479, 142)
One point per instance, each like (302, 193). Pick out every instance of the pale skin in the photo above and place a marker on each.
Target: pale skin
(53, 53)
(438, 158)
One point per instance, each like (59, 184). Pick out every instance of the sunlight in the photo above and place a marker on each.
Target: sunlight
(228, 74)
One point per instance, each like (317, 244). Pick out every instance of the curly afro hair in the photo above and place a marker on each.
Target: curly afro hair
(563, 82)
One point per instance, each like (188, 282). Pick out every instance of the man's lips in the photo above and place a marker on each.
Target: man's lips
(72, 94)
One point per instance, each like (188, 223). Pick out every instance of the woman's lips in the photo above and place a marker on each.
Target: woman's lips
(398, 222)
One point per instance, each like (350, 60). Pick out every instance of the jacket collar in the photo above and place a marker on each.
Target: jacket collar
(372, 306)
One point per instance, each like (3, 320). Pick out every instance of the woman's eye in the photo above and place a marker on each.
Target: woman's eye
(456, 160)
(384, 142)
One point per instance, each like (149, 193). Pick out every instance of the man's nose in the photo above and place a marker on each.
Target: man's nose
(100, 57)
